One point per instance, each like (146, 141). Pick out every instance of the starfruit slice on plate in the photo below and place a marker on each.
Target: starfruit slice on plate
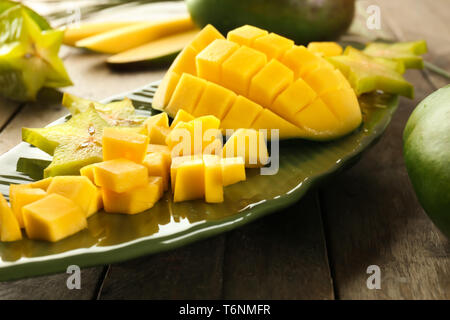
(409, 53)
(73, 144)
(367, 74)
(28, 56)
(117, 113)
(42, 23)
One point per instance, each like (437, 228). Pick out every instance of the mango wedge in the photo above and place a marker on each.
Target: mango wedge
(9, 226)
(125, 38)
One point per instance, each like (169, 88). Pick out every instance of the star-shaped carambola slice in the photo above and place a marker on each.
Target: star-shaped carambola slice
(73, 144)
(117, 113)
(409, 53)
(28, 56)
(367, 74)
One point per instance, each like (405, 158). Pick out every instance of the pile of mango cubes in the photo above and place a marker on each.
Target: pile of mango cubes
(137, 168)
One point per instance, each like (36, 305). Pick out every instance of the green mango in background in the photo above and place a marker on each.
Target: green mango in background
(28, 56)
(426, 149)
(300, 20)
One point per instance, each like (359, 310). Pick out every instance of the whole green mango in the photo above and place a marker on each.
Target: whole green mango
(300, 20)
(426, 149)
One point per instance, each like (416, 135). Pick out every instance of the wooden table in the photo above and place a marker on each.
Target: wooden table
(319, 248)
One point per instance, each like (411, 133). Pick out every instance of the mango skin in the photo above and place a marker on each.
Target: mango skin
(300, 20)
(426, 149)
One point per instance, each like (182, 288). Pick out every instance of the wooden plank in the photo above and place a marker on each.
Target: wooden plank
(191, 272)
(7, 110)
(52, 287)
(282, 256)
(371, 211)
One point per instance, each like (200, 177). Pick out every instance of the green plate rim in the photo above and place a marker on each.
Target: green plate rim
(94, 256)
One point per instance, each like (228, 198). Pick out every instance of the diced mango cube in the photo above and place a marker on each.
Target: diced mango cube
(186, 94)
(165, 90)
(135, 200)
(120, 175)
(324, 79)
(233, 170)
(20, 196)
(79, 189)
(163, 149)
(207, 35)
(88, 171)
(42, 184)
(9, 226)
(294, 98)
(246, 35)
(209, 60)
(240, 67)
(97, 203)
(185, 61)
(248, 144)
(158, 166)
(326, 49)
(53, 218)
(181, 116)
(181, 139)
(158, 135)
(216, 100)
(120, 144)
(190, 181)
(273, 78)
(176, 162)
(160, 120)
(317, 117)
(213, 179)
(242, 114)
(273, 45)
(301, 60)
(268, 121)
(215, 147)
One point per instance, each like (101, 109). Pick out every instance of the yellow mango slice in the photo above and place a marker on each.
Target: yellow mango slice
(20, 196)
(88, 172)
(79, 189)
(207, 35)
(215, 100)
(9, 226)
(344, 104)
(87, 29)
(160, 120)
(53, 218)
(240, 67)
(135, 200)
(121, 144)
(132, 36)
(273, 78)
(233, 170)
(120, 175)
(248, 144)
(242, 114)
(163, 149)
(181, 139)
(267, 120)
(209, 61)
(165, 90)
(318, 118)
(97, 204)
(190, 181)
(186, 94)
(158, 135)
(301, 60)
(158, 166)
(183, 116)
(273, 45)
(176, 162)
(246, 35)
(325, 78)
(325, 49)
(213, 179)
(294, 98)
(41, 184)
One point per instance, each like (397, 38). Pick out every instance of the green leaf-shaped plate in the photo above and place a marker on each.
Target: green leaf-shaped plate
(114, 237)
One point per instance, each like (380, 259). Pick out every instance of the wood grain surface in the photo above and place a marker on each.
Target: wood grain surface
(319, 248)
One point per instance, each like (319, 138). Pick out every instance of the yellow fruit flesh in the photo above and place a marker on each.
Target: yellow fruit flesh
(158, 135)
(79, 189)
(187, 94)
(96, 203)
(233, 170)
(273, 45)
(120, 175)
(158, 166)
(132, 36)
(41, 184)
(213, 179)
(242, 114)
(326, 49)
(215, 100)
(135, 200)
(163, 149)
(190, 181)
(20, 196)
(246, 35)
(9, 226)
(248, 144)
(53, 218)
(88, 172)
(181, 116)
(160, 120)
(123, 144)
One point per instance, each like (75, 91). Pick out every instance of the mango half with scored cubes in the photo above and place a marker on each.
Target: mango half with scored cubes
(259, 80)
